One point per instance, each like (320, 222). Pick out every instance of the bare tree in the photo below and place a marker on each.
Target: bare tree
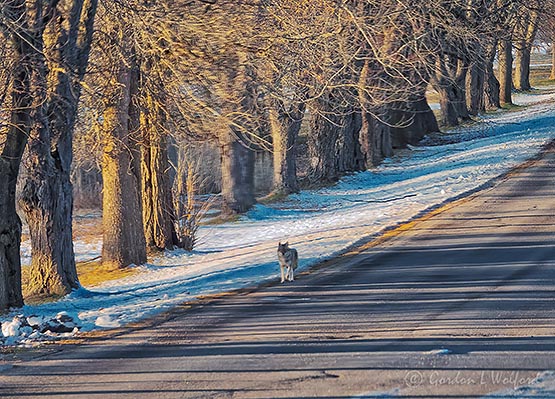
(506, 71)
(525, 34)
(508, 12)
(47, 195)
(492, 87)
(51, 43)
(14, 22)
(158, 212)
(124, 241)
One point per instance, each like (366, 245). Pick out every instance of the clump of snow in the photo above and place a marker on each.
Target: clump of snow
(439, 352)
(11, 328)
(107, 322)
(35, 321)
(319, 223)
(23, 330)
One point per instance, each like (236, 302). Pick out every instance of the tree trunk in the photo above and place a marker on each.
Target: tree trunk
(506, 71)
(366, 133)
(476, 88)
(48, 204)
(375, 138)
(87, 183)
(236, 139)
(460, 91)
(124, 241)
(492, 86)
(447, 98)
(382, 135)
(10, 160)
(524, 50)
(522, 70)
(334, 146)
(237, 174)
(324, 133)
(450, 83)
(411, 121)
(552, 75)
(10, 228)
(349, 156)
(366, 140)
(285, 126)
(47, 196)
(425, 117)
(158, 211)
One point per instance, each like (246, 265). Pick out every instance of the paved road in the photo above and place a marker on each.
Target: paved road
(477, 280)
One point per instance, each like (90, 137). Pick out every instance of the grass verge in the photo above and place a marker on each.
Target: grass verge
(91, 274)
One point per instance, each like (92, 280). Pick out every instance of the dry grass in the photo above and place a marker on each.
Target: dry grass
(87, 228)
(512, 107)
(90, 273)
(540, 77)
(219, 219)
(87, 225)
(272, 198)
(93, 273)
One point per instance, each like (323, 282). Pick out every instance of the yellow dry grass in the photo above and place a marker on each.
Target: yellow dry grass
(93, 273)
(87, 228)
(90, 273)
(540, 77)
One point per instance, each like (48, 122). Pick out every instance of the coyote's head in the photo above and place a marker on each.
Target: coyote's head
(283, 248)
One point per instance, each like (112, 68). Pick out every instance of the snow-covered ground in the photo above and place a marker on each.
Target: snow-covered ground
(320, 223)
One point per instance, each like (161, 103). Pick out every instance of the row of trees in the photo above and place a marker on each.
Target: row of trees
(133, 79)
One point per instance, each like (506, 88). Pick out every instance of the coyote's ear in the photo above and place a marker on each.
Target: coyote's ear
(279, 243)
(286, 243)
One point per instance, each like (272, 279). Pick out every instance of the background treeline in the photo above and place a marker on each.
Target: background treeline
(159, 100)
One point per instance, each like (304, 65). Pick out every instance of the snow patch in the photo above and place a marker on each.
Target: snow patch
(11, 328)
(394, 393)
(26, 331)
(439, 352)
(107, 322)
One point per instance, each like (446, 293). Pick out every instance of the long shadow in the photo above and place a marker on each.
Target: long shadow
(469, 291)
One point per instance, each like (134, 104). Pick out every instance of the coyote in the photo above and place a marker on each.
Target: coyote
(288, 259)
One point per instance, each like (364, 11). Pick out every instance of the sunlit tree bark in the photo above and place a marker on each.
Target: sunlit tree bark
(124, 241)
(523, 50)
(285, 124)
(158, 212)
(47, 196)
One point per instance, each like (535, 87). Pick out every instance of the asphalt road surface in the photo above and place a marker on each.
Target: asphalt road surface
(460, 305)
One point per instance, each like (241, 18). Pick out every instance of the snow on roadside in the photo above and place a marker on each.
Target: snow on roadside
(319, 223)
(534, 97)
(541, 387)
(378, 395)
